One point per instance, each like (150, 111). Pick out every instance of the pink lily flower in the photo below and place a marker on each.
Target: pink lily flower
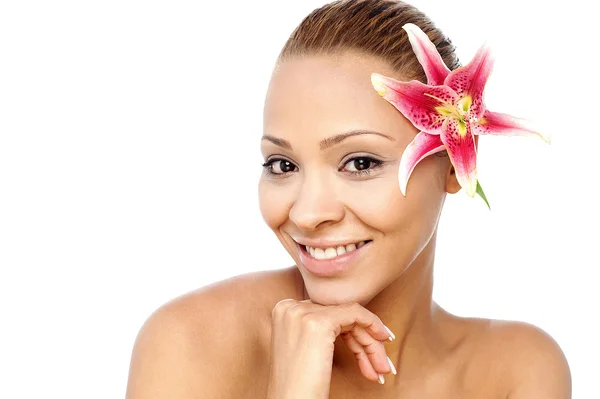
(448, 110)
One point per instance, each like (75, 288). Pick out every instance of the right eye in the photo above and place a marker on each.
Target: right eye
(279, 166)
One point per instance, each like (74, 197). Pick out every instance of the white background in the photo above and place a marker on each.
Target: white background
(129, 159)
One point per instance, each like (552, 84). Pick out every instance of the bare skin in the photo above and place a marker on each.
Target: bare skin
(216, 342)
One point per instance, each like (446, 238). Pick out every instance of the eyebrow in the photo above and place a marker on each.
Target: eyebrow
(328, 142)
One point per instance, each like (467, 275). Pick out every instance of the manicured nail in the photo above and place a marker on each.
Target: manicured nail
(392, 336)
(392, 365)
(381, 379)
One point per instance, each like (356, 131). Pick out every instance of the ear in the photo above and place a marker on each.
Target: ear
(452, 186)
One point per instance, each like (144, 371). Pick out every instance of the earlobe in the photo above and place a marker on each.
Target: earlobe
(452, 186)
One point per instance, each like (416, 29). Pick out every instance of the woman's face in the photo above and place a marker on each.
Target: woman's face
(332, 147)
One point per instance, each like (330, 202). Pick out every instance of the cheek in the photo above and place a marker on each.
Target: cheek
(380, 203)
(274, 201)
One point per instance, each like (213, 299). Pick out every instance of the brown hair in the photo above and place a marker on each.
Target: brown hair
(372, 27)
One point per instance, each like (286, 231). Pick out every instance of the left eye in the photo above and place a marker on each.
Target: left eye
(361, 163)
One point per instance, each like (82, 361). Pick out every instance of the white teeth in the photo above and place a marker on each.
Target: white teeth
(310, 250)
(332, 252)
(319, 253)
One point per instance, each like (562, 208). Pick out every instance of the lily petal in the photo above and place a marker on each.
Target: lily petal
(427, 54)
(426, 107)
(470, 80)
(495, 123)
(459, 142)
(422, 146)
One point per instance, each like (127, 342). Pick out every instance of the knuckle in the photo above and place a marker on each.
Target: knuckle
(373, 347)
(312, 322)
(360, 356)
(280, 307)
(346, 336)
(294, 311)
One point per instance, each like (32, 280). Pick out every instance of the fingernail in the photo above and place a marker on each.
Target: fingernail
(392, 336)
(392, 365)
(381, 379)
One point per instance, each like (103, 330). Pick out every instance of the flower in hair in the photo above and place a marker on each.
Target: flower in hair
(448, 110)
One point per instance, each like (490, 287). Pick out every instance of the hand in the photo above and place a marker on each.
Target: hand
(302, 345)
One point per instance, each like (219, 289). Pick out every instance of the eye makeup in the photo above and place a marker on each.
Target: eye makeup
(362, 164)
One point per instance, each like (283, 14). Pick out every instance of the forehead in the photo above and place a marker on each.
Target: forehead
(328, 94)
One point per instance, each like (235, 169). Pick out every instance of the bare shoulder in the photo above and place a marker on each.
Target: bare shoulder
(188, 347)
(507, 359)
(529, 361)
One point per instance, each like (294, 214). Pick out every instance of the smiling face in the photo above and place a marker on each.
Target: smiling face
(332, 148)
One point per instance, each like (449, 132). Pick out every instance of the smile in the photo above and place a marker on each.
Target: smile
(333, 252)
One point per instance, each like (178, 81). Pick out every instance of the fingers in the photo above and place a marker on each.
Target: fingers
(364, 363)
(350, 315)
(373, 349)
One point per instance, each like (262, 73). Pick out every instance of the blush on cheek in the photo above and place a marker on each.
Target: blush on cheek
(379, 203)
(375, 203)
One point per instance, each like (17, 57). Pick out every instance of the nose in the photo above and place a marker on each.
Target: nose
(316, 203)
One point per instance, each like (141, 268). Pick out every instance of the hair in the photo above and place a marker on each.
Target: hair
(371, 27)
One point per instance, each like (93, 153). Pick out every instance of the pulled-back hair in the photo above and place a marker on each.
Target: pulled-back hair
(372, 27)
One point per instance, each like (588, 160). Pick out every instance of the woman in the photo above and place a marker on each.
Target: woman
(355, 317)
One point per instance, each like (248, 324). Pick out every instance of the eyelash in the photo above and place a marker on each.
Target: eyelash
(268, 166)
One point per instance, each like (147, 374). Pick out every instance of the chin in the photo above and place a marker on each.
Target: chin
(328, 292)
